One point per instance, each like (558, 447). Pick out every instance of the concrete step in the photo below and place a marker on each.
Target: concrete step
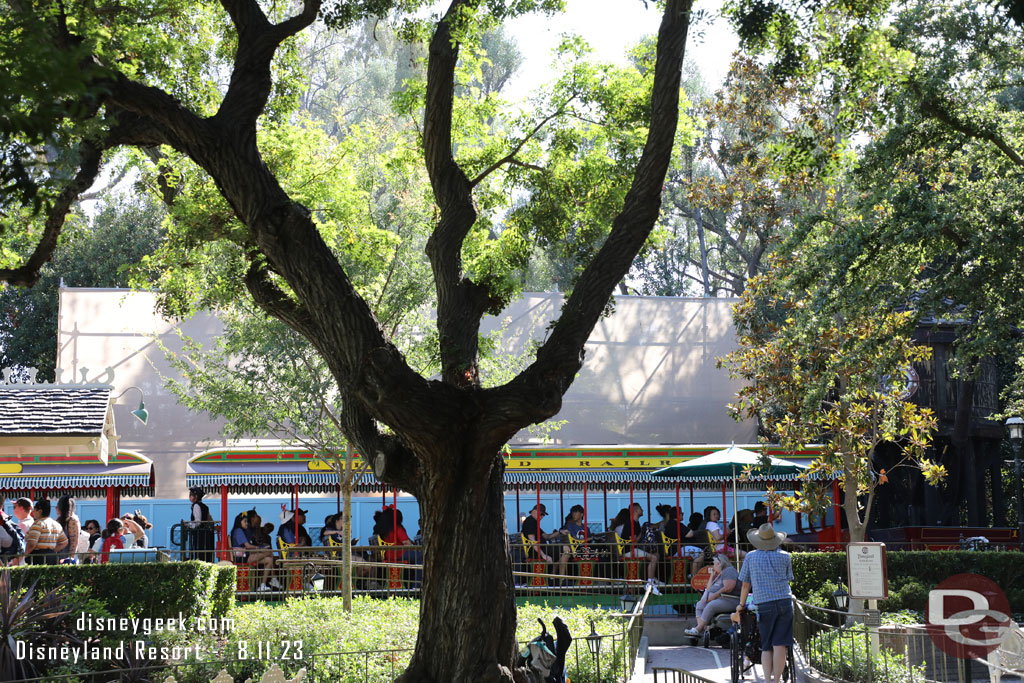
(667, 631)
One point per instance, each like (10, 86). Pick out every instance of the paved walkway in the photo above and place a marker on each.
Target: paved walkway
(710, 663)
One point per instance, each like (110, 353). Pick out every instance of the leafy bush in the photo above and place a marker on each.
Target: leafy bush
(845, 655)
(387, 627)
(162, 590)
(905, 617)
(913, 573)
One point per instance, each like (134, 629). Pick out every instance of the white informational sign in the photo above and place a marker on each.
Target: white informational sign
(866, 567)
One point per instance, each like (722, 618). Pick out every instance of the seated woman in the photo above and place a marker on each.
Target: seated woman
(713, 524)
(721, 596)
(628, 527)
(387, 525)
(247, 551)
(333, 530)
(260, 545)
(572, 526)
(672, 527)
(110, 539)
(329, 532)
(91, 527)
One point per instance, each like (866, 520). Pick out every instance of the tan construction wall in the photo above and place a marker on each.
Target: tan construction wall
(649, 375)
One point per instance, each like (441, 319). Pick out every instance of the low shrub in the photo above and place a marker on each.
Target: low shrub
(156, 591)
(845, 655)
(387, 628)
(912, 574)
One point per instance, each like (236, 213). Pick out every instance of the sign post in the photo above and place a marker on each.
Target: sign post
(869, 580)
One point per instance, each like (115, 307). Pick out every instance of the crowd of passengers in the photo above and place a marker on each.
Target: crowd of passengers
(64, 539)
(700, 536)
(55, 535)
(251, 542)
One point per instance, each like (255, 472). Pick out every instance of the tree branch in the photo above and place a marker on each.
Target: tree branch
(29, 272)
(178, 126)
(392, 462)
(542, 385)
(523, 164)
(511, 156)
(271, 299)
(460, 302)
(938, 109)
(89, 196)
(258, 40)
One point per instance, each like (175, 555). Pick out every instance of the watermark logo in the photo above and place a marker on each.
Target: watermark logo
(968, 616)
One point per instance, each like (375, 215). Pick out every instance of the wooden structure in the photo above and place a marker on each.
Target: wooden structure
(969, 444)
(60, 439)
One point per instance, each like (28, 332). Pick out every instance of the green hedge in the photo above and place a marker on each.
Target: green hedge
(912, 574)
(154, 590)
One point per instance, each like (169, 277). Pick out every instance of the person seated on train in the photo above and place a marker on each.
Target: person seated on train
(713, 525)
(671, 527)
(259, 533)
(135, 525)
(332, 531)
(627, 525)
(110, 539)
(572, 526)
(720, 597)
(532, 531)
(387, 526)
(697, 535)
(91, 527)
(761, 516)
(245, 550)
(328, 532)
(286, 532)
(745, 519)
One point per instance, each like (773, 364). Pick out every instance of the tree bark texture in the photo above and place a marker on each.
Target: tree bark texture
(444, 437)
(963, 446)
(856, 526)
(468, 615)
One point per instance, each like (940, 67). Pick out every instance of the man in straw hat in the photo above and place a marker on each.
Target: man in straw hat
(768, 571)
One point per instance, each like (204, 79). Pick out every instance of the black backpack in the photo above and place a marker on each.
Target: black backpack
(17, 534)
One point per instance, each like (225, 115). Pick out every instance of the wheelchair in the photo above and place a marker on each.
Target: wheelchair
(717, 633)
(745, 648)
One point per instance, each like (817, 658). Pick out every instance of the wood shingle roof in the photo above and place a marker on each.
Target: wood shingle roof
(56, 410)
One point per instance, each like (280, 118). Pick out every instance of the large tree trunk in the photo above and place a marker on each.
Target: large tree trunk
(963, 445)
(853, 518)
(467, 614)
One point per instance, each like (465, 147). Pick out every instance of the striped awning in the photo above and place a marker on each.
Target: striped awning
(283, 469)
(327, 482)
(574, 481)
(73, 482)
(84, 475)
(307, 482)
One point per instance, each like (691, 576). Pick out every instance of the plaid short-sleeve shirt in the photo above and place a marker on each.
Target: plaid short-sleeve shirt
(768, 572)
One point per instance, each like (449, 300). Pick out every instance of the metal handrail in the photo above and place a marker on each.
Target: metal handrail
(678, 676)
(844, 652)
